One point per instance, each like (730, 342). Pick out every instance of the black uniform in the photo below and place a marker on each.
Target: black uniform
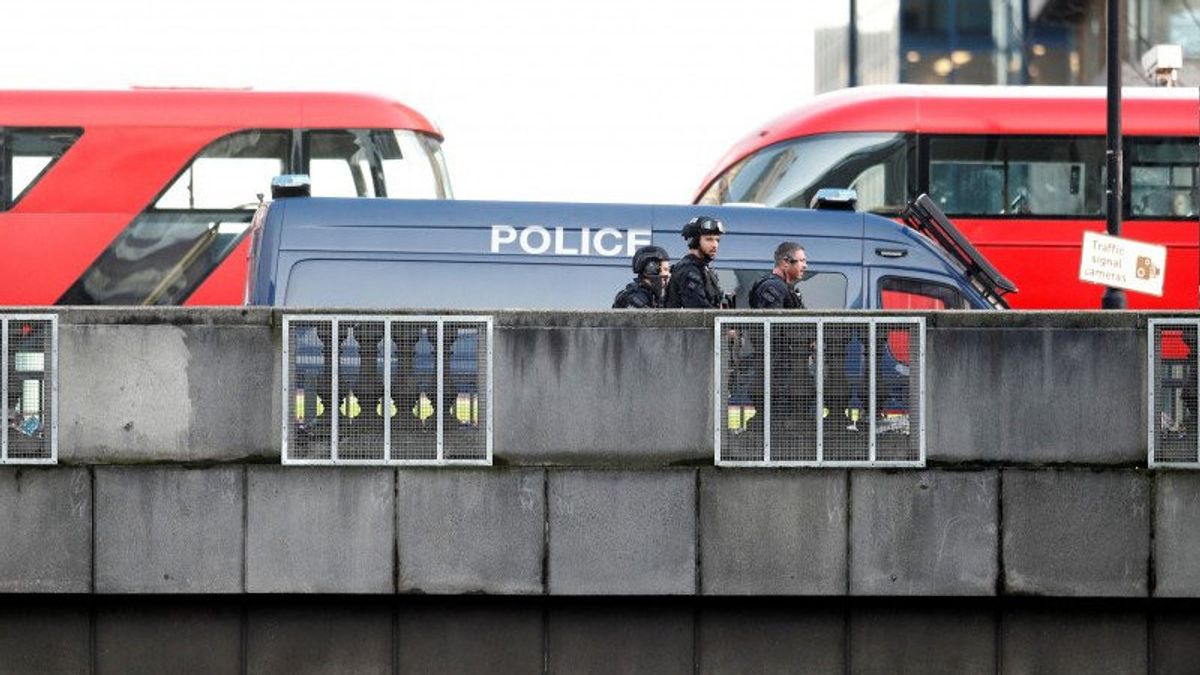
(771, 292)
(636, 296)
(693, 285)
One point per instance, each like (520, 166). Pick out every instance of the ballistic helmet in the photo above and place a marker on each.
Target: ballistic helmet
(648, 260)
(699, 226)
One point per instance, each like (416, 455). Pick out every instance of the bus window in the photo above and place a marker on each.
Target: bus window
(820, 290)
(164, 254)
(380, 163)
(1010, 175)
(1162, 177)
(339, 164)
(790, 173)
(25, 155)
(230, 173)
(912, 294)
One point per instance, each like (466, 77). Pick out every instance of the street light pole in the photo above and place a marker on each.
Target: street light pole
(1114, 298)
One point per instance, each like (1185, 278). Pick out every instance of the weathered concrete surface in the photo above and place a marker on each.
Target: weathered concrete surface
(471, 637)
(1063, 641)
(608, 380)
(320, 530)
(1173, 642)
(45, 530)
(1037, 394)
(169, 530)
(772, 532)
(622, 532)
(616, 638)
(888, 640)
(471, 530)
(1076, 532)
(329, 638)
(176, 639)
(772, 640)
(1176, 535)
(44, 637)
(923, 533)
(136, 393)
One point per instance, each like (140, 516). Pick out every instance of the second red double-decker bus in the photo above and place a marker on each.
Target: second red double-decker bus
(1019, 169)
(143, 196)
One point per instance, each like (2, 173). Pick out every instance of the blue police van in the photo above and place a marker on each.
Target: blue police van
(380, 253)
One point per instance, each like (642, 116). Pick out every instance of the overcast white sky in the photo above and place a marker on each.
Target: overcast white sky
(583, 100)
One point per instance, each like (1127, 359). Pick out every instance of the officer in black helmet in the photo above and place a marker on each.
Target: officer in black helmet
(693, 283)
(652, 268)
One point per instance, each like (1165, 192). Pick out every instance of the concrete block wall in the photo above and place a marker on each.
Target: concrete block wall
(988, 532)
(1036, 540)
(267, 634)
(1013, 389)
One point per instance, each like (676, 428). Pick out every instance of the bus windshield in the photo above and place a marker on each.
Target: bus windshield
(791, 172)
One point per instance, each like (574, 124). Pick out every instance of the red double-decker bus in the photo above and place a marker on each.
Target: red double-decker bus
(1021, 170)
(143, 196)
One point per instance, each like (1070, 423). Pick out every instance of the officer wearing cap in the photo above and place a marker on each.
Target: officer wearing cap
(777, 290)
(693, 283)
(651, 268)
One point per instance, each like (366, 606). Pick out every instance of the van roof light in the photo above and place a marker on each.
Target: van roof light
(834, 199)
(291, 185)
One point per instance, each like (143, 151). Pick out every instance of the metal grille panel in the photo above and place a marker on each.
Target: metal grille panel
(793, 412)
(738, 418)
(846, 428)
(898, 414)
(1172, 392)
(360, 391)
(308, 358)
(374, 390)
(414, 427)
(29, 389)
(466, 354)
(838, 391)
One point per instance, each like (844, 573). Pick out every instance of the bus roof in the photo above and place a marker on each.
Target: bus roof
(232, 108)
(977, 109)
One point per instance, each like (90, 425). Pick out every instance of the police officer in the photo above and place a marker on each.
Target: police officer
(651, 268)
(693, 283)
(777, 290)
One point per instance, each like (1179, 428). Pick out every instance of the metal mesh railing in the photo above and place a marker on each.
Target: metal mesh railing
(387, 390)
(1172, 386)
(29, 388)
(811, 391)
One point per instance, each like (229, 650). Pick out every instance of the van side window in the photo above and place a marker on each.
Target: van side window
(230, 173)
(26, 155)
(820, 290)
(915, 294)
(1162, 177)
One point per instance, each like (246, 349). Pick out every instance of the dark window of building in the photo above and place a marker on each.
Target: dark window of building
(26, 155)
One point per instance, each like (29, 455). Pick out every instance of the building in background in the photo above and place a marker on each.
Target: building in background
(997, 41)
